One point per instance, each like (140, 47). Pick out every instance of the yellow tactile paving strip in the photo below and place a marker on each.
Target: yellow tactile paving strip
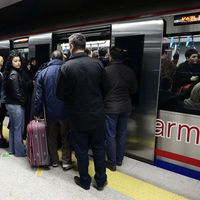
(127, 185)
(39, 171)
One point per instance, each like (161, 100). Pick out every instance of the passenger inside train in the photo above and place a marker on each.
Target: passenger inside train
(184, 76)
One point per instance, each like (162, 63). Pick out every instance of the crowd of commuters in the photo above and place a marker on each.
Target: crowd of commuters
(87, 99)
(178, 82)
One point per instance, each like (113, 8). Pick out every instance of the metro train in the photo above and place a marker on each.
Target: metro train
(167, 138)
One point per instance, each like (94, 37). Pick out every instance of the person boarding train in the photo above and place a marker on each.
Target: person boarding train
(82, 83)
(56, 110)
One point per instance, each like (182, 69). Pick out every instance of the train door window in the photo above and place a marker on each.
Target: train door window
(42, 49)
(21, 45)
(180, 76)
(94, 46)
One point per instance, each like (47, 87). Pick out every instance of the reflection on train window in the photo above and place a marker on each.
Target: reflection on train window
(180, 74)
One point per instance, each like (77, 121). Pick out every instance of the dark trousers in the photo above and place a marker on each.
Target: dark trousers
(53, 129)
(3, 112)
(81, 141)
(116, 126)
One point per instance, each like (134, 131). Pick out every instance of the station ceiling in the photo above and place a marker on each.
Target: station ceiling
(29, 16)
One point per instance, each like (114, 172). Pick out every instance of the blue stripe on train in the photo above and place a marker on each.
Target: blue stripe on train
(178, 169)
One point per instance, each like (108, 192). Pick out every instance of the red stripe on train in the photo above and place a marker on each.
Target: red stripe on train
(177, 157)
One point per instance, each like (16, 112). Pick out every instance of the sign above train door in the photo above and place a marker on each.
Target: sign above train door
(193, 18)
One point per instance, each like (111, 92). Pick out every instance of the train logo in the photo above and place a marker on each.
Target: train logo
(165, 130)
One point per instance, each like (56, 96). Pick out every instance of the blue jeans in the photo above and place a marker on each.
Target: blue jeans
(116, 126)
(81, 141)
(16, 115)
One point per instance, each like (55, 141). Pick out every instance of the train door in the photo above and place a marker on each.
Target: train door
(40, 46)
(142, 41)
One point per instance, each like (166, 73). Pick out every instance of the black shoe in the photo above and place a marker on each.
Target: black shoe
(100, 188)
(110, 167)
(3, 144)
(119, 164)
(77, 181)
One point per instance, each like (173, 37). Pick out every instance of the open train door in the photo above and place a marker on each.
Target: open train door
(142, 42)
(40, 47)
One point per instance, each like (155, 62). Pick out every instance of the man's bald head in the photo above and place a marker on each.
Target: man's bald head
(57, 54)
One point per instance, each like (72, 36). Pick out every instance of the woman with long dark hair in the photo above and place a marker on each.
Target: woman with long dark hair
(15, 101)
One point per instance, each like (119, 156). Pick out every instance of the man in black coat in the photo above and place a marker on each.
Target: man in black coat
(118, 107)
(82, 83)
(187, 73)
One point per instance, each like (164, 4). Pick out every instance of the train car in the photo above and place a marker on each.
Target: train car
(168, 138)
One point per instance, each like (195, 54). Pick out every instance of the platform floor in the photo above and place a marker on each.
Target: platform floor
(134, 180)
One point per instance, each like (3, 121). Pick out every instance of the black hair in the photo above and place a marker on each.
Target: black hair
(189, 52)
(8, 65)
(57, 54)
(103, 51)
(88, 51)
(166, 83)
(117, 53)
(78, 40)
(32, 59)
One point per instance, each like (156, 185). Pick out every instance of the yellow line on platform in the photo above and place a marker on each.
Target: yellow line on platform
(132, 187)
(39, 171)
(127, 185)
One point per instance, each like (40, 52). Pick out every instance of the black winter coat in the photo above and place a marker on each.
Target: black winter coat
(14, 90)
(123, 85)
(184, 72)
(82, 83)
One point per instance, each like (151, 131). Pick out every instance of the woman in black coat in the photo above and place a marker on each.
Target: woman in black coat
(15, 101)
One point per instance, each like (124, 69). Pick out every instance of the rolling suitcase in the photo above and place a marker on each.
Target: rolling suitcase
(36, 141)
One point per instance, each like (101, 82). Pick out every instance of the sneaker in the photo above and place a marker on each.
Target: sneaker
(55, 165)
(110, 167)
(68, 166)
(77, 181)
(100, 188)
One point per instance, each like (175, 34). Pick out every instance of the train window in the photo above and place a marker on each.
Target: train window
(180, 74)
(92, 45)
